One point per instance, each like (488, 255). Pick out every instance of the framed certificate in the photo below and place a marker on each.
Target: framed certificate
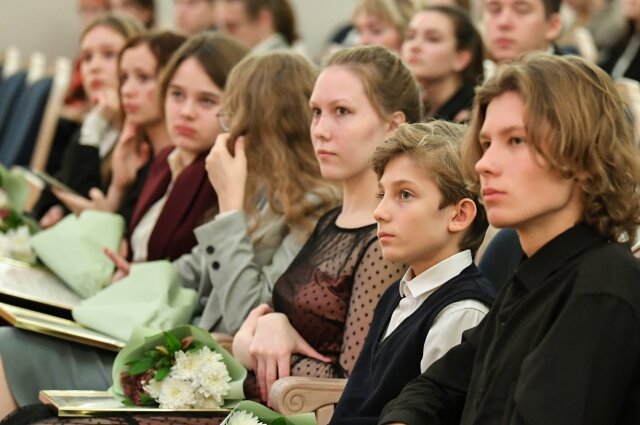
(96, 403)
(57, 327)
(35, 288)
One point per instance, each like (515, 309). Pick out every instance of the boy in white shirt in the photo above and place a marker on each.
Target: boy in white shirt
(430, 220)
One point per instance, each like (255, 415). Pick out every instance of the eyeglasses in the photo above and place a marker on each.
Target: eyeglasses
(224, 121)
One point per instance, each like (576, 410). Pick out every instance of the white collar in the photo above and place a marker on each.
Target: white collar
(435, 276)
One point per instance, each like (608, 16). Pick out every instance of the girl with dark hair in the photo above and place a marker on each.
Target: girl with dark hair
(444, 52)
(177, 195)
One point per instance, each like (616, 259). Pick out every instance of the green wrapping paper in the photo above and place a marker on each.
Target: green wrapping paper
(269, 417)
(143, 340)
(16, 187)
(150, 296)
(74, 249)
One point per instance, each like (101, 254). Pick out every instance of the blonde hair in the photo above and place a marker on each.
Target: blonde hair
(125, 25)
(435, 146)
(575, 119)
(267, 102)
(395, 12)
(387, 82)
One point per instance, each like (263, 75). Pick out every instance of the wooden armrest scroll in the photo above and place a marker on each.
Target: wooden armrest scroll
(297, 394)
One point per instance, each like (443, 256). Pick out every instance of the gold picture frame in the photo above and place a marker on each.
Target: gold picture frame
(57, 327)
(96, 403)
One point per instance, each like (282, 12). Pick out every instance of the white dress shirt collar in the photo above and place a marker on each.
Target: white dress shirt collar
(434, 277)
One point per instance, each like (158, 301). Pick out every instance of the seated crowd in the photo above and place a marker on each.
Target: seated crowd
(329, 217)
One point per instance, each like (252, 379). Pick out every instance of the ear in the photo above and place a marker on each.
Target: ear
(463, 59)
(554, 27)
(465, 213)
(397, 118)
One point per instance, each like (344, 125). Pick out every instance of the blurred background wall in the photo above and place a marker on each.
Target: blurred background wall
(53, 26)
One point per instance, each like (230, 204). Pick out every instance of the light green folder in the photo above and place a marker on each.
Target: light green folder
(270, 417)
(74, 249)
(150, 296)
(143, 340)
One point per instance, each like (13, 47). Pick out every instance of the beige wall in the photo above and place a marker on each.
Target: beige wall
(50, 26)
(53, 27)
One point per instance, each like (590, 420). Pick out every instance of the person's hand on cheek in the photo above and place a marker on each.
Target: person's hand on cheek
(107, 103)
(228, 173)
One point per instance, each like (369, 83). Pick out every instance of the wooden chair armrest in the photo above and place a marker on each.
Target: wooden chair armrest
(225, 340)
(297, 394)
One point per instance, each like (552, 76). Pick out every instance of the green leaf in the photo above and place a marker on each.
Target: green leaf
(195, 345)
(163, 362)
(128, 402)
(146, 400)
(154, 354)
(279, 421)
(173, 343)
(141, 366)
(162, 373)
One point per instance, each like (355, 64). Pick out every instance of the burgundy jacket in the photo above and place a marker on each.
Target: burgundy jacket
(192, 198)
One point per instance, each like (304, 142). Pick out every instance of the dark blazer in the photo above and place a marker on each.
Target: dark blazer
(190, 200)
(633, 71)
(80, 170)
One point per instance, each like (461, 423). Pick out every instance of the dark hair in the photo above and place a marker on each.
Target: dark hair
(467, 38)
(551, 7)
(284, 18)
(149, 6)
(387, 82)
(161, 44)
(217, 54)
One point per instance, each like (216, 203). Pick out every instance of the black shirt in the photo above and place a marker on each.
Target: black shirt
(462, 100)
(561, 345)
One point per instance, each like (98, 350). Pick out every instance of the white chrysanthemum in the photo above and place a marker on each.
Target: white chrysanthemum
(203, 402)
(213, 377)
(242, 417)
(176, 394)
(153, 388)
(186, 366)
(20, 240)
(5, 245)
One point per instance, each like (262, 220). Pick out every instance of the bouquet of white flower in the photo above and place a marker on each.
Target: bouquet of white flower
(15, 228)
(16, 244)
(251, 413)
(180, 369)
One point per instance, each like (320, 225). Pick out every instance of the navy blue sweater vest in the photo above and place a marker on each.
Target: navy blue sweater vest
(385, 366)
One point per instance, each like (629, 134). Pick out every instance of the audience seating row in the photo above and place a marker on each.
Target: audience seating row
(30, 104)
